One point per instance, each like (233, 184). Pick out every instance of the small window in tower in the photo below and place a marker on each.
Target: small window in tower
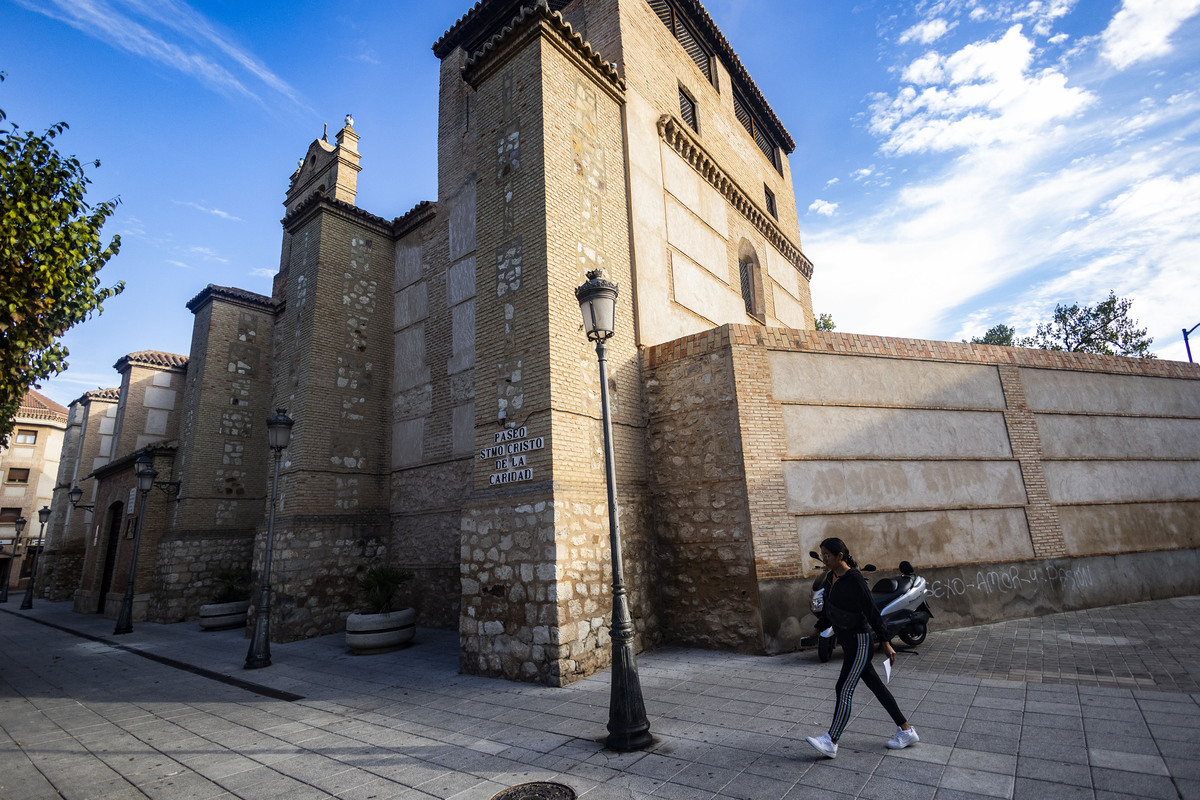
(26, 437)
(774, 212)
(687, 109)
(18, 475)
(746, 272)
(751, 279)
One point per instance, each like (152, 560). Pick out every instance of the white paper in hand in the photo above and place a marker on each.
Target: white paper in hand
(887, 670)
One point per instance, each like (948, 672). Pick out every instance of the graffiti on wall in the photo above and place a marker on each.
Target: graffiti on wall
(1014, 579)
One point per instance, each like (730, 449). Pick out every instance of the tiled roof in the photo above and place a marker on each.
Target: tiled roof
(152, 358)
(111, 395)
(35, 405)
(228, 293)
(415, 217)
(340, 205)
(453, 37)
(530, 14)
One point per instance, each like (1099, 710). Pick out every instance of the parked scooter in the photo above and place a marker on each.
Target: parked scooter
(901, 603)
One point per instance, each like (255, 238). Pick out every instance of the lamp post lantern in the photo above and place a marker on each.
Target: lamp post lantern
(145, 482)
(279, 434)
(628, 728)
(19, 525)
(43, 518)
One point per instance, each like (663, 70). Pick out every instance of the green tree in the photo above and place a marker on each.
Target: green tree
(997, 334)
(824, 322)
(1104, 328)
(50, 252)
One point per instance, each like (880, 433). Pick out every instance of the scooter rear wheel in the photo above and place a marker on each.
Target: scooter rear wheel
(913, 636)
(825, 649)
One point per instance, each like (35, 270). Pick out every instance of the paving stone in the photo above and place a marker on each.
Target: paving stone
(1128, 762)
(1151, 786)
(976, 781)
(1030, 789)
(1055, 771)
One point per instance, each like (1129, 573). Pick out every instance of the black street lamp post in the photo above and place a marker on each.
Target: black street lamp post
(1186, 345)
(43, 518)
(19, 525)
(628, 728)
(279, 434)
(145, 482)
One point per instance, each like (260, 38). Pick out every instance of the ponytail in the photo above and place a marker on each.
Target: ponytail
(837, 546)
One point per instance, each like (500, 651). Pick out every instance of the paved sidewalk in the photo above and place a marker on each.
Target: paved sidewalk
(1106, 706)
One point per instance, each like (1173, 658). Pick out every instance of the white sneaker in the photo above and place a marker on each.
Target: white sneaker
(902, 739)
(824, 744)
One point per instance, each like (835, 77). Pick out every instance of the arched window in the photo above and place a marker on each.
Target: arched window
(750, 276)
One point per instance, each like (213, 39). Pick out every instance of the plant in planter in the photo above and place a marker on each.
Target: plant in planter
(230, 601)
(381, 625)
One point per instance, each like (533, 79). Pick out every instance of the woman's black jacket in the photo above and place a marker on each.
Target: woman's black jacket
(850, 594)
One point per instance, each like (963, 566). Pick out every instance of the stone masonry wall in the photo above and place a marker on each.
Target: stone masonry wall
(964, 459)
(187, 566)
(702, 518)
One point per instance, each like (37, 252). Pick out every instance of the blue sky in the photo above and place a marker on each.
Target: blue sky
(958, 163)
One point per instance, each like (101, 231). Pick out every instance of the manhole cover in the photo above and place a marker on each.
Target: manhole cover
(538, 790)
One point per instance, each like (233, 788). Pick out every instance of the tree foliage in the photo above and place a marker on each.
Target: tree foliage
(1104, 328)
(1000, 334)
(824, 322)
(50, 252)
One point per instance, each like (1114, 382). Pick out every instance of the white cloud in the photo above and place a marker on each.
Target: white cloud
(982, 95)
(179, 264)
(208, 254)
(1039, 15)
(1142, 30)
(262, 272)
(864, 173)
(926, 32)
(216, 212)
(128, 25)
(831, 182)
(823, 207)
(925, 70)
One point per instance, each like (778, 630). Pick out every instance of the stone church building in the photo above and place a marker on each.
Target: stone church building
(446, 401)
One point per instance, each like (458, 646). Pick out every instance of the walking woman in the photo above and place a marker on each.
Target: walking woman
(853, 615)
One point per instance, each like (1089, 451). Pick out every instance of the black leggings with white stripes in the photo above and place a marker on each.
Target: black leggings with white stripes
(856, 663)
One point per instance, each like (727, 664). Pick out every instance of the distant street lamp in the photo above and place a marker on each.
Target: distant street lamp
(279, 434)
(144, 467)
(1187, 346)
(628, 728)
(19, 525)
(43, 518)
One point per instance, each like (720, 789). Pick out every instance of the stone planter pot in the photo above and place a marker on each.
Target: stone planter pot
(217, 616)
(379, 633)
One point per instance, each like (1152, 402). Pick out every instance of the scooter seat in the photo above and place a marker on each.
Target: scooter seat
(886, 590)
